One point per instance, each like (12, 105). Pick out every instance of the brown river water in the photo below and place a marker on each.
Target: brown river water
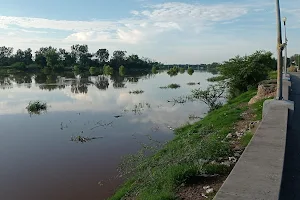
(38, 160)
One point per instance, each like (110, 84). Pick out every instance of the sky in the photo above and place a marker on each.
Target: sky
(172, 32)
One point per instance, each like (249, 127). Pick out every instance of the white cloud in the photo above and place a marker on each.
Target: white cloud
(89, 36)
(173, 26)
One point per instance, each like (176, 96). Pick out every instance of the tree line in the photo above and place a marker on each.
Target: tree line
(78, 58)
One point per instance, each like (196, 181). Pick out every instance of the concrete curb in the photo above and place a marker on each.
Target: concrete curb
(258, 172)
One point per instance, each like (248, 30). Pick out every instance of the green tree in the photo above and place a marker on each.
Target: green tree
(82, 55)
(118, 58)
(102, 55)
(246, 72)
(5, 55)
(52, 58)
(67, 59)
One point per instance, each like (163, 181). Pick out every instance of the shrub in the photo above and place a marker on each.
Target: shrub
(246, 72)
(19, 65)
(211, 96)
(108, 70)
(36, 107)
(122, 70)
(173, 71)
(190, 71)
(181, 70)
(154, 70)
(76, 68)
(93, 70)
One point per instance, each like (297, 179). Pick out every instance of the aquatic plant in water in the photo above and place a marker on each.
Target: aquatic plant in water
(172, 86)
(36, 107)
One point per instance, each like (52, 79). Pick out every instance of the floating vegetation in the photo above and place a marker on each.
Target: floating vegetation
(181, 70)
(36, 107)
(193, 83)
(173, 71)
(172, 86)
(136, 92)
(83, 139)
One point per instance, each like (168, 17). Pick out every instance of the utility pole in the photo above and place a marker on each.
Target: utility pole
(285, 49)
(279, 53)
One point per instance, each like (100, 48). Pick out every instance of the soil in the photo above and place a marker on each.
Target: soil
(193, 190)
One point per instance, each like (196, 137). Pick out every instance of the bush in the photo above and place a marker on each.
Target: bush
(246, 72)
(122, 70)
(154, 70)
(19, 65)
(173, 71)
(76, 68)
(190, 71)
(107, 70)
(181, 70)
(36, 107)
(93, 70)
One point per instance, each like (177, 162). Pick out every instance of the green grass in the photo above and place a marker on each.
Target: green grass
(272, 75)
(245, 139)
(156, 177)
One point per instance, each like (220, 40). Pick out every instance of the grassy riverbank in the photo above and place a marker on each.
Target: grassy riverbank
(196, 150)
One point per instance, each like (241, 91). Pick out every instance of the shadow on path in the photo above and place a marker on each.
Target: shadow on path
(290, 185)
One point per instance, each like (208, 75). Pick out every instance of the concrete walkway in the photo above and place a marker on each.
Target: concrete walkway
(290, 186)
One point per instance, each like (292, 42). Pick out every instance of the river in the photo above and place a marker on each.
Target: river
(38, 160)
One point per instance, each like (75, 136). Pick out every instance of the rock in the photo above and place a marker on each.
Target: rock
(232, 159)
(213, 162)
(239, 134)
(237, 155)
(265, 90)
(209, 191)
(229, 136)
(204, 196)
(227, 163)
(206, 187)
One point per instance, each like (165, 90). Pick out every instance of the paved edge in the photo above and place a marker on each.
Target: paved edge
(258, 172)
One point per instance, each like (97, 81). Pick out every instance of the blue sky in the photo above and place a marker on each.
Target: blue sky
(182, 31)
